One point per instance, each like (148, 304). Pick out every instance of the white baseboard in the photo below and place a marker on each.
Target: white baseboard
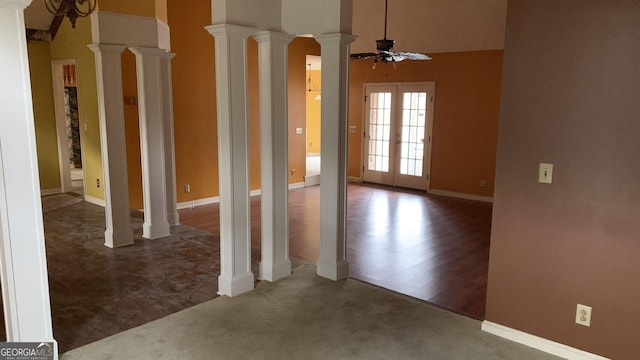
(45, 192)
(296, 185)
(94, 200)
(458, 195)
(354, 179)
(191, 204)
(216, 199)
(536, 342)
(312, 180)
(256, 192)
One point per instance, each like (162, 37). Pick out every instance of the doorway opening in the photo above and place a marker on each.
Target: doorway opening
(398, 127)
(68, 126)
(313, 115)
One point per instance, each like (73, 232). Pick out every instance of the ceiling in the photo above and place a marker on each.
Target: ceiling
(37, 17)
(428, 26)
(431, 26)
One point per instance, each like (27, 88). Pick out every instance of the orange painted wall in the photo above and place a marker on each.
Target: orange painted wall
(465, 120)
(254, 114)
(194, 99)
(132, 129)
(194, 102)
(313, 112)
(299, 48)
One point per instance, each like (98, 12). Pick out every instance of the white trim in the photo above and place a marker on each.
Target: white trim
(297, 185)
(216, 199)
(256, 192)
(55, 191)
(61, 121)
(311, 180)
(132, 30)
(488, 199)
(198, 202)
(536, 342)
(354, 179)
(94, 200)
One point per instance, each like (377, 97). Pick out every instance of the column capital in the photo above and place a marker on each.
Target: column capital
(106, 48)
(16, 4)
(148, 51)
(274, 36)
(342, 39)
(230, 30)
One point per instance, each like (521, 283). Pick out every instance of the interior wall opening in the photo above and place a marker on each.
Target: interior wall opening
(313, 115)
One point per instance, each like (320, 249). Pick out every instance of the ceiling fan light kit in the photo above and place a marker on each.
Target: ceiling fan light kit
(385, 52)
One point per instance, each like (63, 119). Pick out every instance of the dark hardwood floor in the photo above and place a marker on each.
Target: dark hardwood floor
(430, 247)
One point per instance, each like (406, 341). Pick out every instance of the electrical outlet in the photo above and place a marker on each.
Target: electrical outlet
(483, 183)
(97, 183)
(293, 171)
(583, 315)
(187, 188)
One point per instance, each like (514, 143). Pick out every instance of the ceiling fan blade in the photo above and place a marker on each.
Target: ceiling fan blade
(412, 55)
(363, 56)
(385, 52)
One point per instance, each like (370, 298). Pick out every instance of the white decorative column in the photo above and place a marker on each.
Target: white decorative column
(23, 264)
(169, 143)
(152, 149)
(332, 263)
(112, 144)
(233, 158)
(272, 53)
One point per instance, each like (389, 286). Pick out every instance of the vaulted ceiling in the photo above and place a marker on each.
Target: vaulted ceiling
(428, 26)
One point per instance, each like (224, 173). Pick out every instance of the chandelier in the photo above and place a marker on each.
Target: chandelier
(73, 9)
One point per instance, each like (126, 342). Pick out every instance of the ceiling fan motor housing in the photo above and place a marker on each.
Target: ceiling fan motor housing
(385, 44)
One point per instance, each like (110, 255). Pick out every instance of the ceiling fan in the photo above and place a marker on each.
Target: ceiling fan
(385, 52)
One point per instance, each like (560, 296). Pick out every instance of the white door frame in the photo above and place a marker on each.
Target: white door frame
(430, 86)
(57, 74)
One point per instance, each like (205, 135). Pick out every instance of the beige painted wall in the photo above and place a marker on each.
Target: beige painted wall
(570, 97)
(431, 26)
(44, 114)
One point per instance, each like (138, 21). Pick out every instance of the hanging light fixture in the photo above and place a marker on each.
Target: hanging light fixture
(73, 9)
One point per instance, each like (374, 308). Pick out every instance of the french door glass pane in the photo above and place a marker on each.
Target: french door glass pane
(414, 112)
(379, 131)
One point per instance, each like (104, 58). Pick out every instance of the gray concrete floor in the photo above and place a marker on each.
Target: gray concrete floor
(308, 317)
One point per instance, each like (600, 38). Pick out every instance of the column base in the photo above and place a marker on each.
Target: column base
(118, 239)
(233, 286)
(333, 271)
(55, 349)
(155, 231)
(173, 218)
(274, 272)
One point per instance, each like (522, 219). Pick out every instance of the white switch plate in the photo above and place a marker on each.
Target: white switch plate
(352, 129)
(583, 315)
(299, 131)
(545, 174)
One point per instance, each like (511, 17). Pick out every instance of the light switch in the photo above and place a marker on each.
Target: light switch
(545, 174)
(298, 131)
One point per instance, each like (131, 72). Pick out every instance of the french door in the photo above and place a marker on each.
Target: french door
(398, 124)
